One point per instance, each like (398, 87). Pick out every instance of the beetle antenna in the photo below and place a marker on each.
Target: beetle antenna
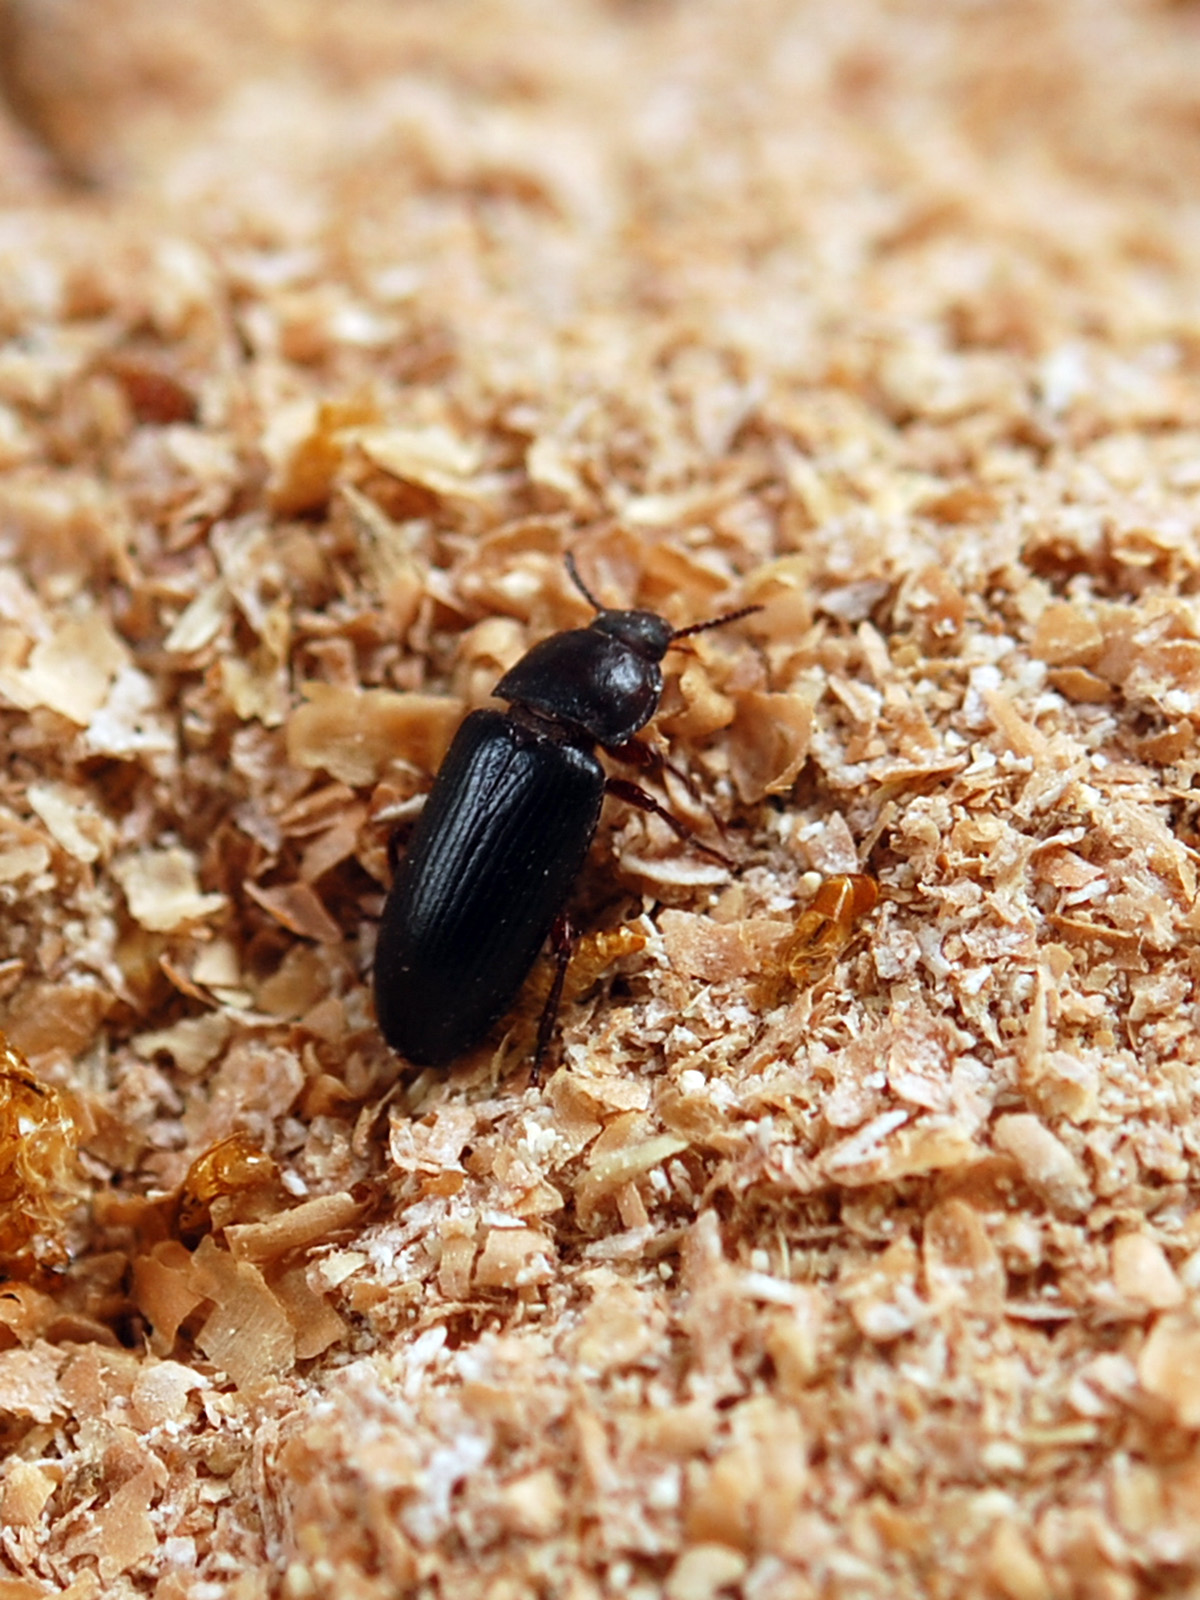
(714, 622)
(579, 583)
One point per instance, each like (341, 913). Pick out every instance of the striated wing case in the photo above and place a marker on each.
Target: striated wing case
(492, 861)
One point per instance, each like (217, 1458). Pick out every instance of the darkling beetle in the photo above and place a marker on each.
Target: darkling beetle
(496, 851)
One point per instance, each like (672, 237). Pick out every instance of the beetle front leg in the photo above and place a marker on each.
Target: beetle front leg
(636, 796)
(647, 759)
(636, 754)
(562, 939)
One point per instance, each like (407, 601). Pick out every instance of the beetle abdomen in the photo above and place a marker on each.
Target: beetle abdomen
(493, 858)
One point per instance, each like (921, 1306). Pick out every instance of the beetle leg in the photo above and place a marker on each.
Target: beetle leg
(562, 937)
(636, 754)
(648, 759)
(636, 796)
(394, 856)
(693, 789)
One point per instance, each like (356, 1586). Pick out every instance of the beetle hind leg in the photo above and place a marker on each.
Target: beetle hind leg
(562, 939)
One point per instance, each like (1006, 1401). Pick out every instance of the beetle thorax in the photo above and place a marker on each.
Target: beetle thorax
(603, 682)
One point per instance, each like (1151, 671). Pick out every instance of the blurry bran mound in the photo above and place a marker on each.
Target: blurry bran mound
(845, 1253)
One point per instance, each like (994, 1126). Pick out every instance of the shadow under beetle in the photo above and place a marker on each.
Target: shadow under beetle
(496, 851)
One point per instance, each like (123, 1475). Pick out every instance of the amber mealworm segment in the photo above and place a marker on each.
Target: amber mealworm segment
(827, 925)
(39, 1178)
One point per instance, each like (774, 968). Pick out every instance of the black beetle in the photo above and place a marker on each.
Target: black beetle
(503, 836)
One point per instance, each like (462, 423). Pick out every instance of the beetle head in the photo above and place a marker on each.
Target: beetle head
(645, 633)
